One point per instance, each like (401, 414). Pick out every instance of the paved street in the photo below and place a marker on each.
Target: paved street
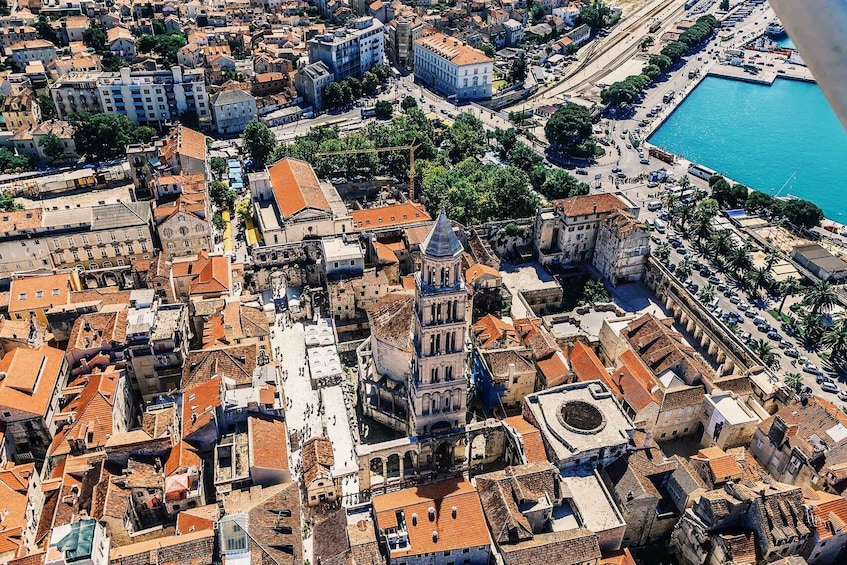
(746, 323)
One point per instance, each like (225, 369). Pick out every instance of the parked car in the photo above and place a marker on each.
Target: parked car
(823, 379)
(830, 387)
(785, 345)
(774, 336)
(842, 395)
(656, 239)
(644, 161)
(743, 307)
(672, 267)
(714, 280)
(735, 300)
(810, 368)
(791, 352)
(749, 312)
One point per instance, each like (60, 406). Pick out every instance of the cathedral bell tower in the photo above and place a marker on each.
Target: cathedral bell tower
(438, 388)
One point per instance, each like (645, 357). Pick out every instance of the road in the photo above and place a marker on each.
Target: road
(760, 306)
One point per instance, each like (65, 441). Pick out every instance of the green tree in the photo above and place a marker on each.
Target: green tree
(820, 297)
(95, 37)
(759, 278)
(165, 46)
(794, 381)
(517, 70)
(674, 50)
(537, 12)
(724, 5)
(355, 87)
(662, 252)
(835, 339)
(110, 62)
(334, 95)
(594, 292)
(595, 15)
(812, 330)
(370, 83)
(52, 146)
(758, 202)
(802, 213)
(662, 61)
(788, 287)
(466, 137)
(561, 184)
(739, 259)
(44, 30)
(7, 201)
(47, 106)
(647, 42)
(408, 103)
(383, 109)
(506, 139)
(625, 91)
(569, 126)
(102, 136)
(651, 71)
(524, 157)
(222, 196)
(259, 142)
(764, 351)
(10, 161)
(488, 49)
(685, 268)
(706, 294)
(219, 166)
(382, 71)
(218, 222)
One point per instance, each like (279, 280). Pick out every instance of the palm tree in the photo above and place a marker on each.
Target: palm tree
(793, 381)
(671, 200)
(706, 294)
(764, 351)
(812, 330)
(723, 244)
(836, 340)
(820, 296)
(787, 287)
(662, 252)
(772, 258)
(739, 259)
(759, 278)
(702, 226)
(684, 268)
(684, 214)
(685, 183)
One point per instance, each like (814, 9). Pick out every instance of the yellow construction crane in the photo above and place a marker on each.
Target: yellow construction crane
(410, 148)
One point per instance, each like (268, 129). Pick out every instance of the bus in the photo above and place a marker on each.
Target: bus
(700, 171)
(669, 95)
(369, 112)
(654, 205)
(659, 225)
(661, 155)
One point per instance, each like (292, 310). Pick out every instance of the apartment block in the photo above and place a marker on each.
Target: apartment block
(453, 68)
(352, 50)
(76, 92)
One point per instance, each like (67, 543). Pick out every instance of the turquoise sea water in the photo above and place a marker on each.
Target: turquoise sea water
(786, 42)
(760, 135)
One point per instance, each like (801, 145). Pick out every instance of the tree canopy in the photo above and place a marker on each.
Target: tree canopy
(104, 136)
(52, 146)
(259, 142)
(466, 137)
(595, 15)
(568, 127)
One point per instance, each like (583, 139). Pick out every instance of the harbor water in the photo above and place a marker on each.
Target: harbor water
(780, 139)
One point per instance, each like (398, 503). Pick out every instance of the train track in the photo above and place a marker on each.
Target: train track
(597, 48)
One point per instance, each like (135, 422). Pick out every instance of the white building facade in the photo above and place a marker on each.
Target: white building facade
(350, 51)
(453, 67)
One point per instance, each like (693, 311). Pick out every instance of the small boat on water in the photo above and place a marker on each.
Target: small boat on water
(775, 29)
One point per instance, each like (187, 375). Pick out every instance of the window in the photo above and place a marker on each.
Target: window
(22, 296)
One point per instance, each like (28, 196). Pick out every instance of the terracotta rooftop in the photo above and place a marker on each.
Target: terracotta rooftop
(234, 323)
(392, 319)
(317, 459)
(39, 292)
(466, 529)
(90, 401)
(296, 187)
(589, 204)
(235, 362)
(454, 50)
(586, 366)
(95, 329)
(532, 442)
(830, 511)
(209, 274)
(389, 216)
(492, 332)
(182, 456)
(721, 465)
(184, 141)
(31, 377)
(19, 220)
(268, 447)
(199, 404)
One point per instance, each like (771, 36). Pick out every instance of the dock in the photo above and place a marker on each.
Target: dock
(765, 76)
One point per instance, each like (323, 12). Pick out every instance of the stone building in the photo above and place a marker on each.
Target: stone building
(568, 231)
(801, 442)
(622, 248)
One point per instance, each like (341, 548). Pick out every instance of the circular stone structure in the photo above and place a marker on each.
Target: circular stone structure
(581, 417)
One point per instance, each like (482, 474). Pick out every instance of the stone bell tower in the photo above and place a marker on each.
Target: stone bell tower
(438, 388)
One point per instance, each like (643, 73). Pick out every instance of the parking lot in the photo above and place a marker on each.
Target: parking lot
(732, 304)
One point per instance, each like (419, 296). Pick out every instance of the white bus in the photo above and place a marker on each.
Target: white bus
(700, 171)
(659, 225)
(654, 205)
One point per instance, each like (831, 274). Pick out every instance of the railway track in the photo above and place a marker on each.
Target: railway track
(597, 49)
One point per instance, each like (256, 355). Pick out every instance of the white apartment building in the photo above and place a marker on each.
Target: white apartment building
(76, 92)
(233, 110)
(453, 67)
(26, 52)
(352, 50)
(155, 97)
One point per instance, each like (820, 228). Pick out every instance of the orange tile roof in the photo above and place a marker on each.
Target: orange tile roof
(590, 204)
(454, 50)
(39, 292)
(209, 273)
(317, 458)
(197, 519)
(830, 511)
(19, 220)
(92, 408)
(554, 369)
(14, 481)
(384, 255)
(634, 382)
(722, 465)
(91, 330)
(479, 270)
(32, 376)
(491, 331)
(532, 442)
(620, 557)
(182, 455)
(199, 404)
(268, 448)
(296, 187)
(153, 546)
(389, 216)
(185, 141)
(467, 529)
(585, 364)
